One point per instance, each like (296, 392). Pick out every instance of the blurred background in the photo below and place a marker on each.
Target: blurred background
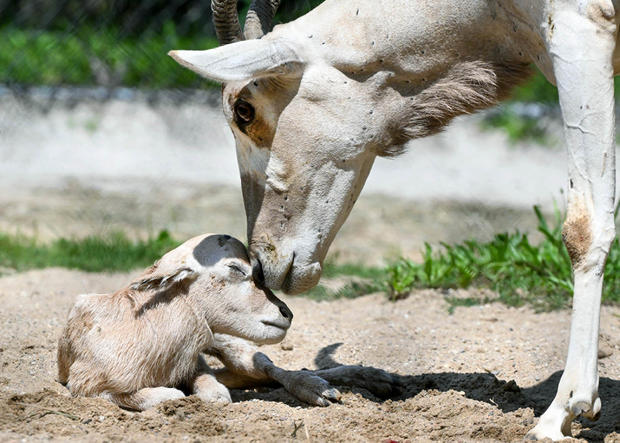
(101, 132)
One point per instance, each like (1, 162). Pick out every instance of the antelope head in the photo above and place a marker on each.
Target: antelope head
(308, 122)
(305, 139)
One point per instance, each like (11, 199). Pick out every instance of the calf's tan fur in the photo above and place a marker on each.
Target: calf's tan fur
(142, 344)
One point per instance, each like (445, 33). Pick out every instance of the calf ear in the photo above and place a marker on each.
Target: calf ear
(243, 60)
(153, 280)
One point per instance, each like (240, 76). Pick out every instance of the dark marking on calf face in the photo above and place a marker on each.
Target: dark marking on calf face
(577, 236)
(222, 240)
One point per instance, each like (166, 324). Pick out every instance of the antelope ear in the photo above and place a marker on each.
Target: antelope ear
(154, 280)
(243, 60)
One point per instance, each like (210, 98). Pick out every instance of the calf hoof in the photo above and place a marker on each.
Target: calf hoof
(311, 389)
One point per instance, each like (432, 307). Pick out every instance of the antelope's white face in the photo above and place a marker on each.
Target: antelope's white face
(306, 138)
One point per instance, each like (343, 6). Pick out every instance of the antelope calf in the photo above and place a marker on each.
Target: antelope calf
(142, 344)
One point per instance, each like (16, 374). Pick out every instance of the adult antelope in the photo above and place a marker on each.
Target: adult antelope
(313, 103)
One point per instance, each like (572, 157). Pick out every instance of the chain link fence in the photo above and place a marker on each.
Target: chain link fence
(108, 43)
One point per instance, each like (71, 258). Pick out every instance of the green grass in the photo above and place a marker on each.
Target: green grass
(114, 252)
(75, 55)
(89, 56)
(519, 271)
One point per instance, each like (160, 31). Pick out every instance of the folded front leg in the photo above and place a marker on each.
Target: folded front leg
(377, 381)
(206, 386)
(246, 367)
(304, 385)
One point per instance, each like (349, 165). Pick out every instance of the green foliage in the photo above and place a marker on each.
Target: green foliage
(90, 56)
(536, 89)
(517, 127)
(519, 271)
(132, 17)
(114, 252)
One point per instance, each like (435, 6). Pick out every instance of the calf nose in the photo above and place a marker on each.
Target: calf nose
(286, 312)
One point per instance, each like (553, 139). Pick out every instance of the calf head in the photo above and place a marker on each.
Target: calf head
(213, 273)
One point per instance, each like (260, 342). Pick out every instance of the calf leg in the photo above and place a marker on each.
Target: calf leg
(582, 47)
(206, 386)
(246, 366)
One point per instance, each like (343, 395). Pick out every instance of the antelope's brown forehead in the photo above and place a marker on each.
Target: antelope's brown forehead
(260, 130)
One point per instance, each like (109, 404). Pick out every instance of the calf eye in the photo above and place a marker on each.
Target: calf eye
(236, 269)
(244, 112)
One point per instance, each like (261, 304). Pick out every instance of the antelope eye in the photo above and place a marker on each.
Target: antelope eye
(244, 112)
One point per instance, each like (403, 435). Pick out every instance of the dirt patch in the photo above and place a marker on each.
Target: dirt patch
(483, 373)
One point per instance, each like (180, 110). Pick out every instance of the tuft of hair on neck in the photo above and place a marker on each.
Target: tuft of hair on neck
(465, 88)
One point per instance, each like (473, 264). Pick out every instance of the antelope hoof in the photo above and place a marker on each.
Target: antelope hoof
(555, 423)
(588, 409)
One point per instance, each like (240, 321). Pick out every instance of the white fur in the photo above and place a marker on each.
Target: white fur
(370, 75)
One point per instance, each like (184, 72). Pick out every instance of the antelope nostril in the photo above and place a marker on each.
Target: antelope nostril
(286, 312)
(257, 273)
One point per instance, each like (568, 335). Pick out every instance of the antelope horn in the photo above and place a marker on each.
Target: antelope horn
(258, 19)
(226, 21)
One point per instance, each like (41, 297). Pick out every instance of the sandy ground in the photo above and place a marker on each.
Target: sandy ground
(84, 168)
(483, 373)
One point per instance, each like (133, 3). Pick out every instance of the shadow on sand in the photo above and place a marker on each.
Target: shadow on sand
(503, 394)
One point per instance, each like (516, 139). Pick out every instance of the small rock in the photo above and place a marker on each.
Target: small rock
(604, 351)
(286, 346)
